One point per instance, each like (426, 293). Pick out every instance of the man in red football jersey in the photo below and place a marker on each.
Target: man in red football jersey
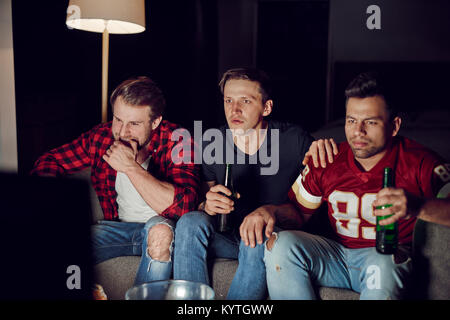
(141, 189)
(352, 187)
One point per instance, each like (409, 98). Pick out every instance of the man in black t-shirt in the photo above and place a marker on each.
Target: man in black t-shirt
(266, 159)
(262, 177)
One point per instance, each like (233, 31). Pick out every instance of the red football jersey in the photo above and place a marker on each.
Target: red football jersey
(350, 191)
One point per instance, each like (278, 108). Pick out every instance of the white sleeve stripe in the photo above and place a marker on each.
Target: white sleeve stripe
(305, 194)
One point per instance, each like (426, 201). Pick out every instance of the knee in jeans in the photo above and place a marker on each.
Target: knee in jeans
(159, 241)
(283, 240)
(192, 223)
(271, 242)
(185, 221)
(283, 245)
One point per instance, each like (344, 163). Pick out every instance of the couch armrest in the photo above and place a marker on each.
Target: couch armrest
(431, 256)
(97, 212)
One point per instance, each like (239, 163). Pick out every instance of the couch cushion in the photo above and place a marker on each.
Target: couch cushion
(431, 248)
(117, 275)
(223, 271)
(326, 293)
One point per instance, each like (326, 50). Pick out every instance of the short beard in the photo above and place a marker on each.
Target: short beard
(367, 153)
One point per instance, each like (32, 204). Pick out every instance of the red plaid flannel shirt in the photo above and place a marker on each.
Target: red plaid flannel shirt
(87, 151)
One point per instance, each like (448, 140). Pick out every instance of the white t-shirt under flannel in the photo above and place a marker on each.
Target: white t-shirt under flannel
(132, 208)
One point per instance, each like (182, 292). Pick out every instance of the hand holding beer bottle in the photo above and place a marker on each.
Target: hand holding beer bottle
(386, 235)
(220, 201)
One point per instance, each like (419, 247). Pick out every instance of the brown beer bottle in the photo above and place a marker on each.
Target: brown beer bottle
(224, 221)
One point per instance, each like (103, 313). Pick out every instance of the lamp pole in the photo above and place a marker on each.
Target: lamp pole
(107, 17)
(105, 56)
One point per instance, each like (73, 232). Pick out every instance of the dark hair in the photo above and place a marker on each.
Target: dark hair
(140, 91)
(370, 84)
(251, 74)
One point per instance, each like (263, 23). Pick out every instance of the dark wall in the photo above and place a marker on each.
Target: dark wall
(237, 32)
(292, 47)
(310, 48)
(411, 30)
(287, 39)
(411, 49)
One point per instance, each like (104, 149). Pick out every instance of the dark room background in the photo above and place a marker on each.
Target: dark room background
(311, 49)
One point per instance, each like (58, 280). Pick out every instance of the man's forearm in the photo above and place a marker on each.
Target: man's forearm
(157, 194)
(288, 217)
(436, 211)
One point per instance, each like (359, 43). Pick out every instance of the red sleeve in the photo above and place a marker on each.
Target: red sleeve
(67, 159)
(305, 193)
(439, 184)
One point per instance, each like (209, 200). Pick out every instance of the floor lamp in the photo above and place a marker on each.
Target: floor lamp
(106, 16)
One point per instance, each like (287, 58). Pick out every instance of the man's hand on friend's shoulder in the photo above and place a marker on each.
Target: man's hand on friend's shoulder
(321, 150)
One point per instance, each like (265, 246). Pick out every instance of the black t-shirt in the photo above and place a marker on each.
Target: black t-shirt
(265, 177)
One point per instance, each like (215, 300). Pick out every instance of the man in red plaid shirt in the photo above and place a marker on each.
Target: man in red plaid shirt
(142, 190)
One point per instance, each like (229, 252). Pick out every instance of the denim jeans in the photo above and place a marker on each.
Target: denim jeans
(112, 239)
(196, 241)
(298, 261)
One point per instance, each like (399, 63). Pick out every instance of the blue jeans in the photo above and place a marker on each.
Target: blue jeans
(196, 241)
(112, 239)
(298, 261)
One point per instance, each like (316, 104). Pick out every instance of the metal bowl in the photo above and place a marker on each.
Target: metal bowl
(170, 290)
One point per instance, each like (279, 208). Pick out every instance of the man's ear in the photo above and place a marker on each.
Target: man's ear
(396, 123)
(156, 122)
(268, 106)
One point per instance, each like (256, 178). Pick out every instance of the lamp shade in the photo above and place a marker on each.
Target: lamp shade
(118, 16)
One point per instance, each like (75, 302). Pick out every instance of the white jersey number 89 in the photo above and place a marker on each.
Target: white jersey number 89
(357, 209)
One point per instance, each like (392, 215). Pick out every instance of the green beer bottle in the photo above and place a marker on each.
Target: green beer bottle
(224, 223)
(386, 236)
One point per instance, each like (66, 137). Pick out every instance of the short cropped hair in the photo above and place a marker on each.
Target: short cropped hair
(370, 84)
(141, 91)
(251, 74)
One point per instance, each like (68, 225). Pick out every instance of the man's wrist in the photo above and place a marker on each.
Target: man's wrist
(270, 208)
(133, 169)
